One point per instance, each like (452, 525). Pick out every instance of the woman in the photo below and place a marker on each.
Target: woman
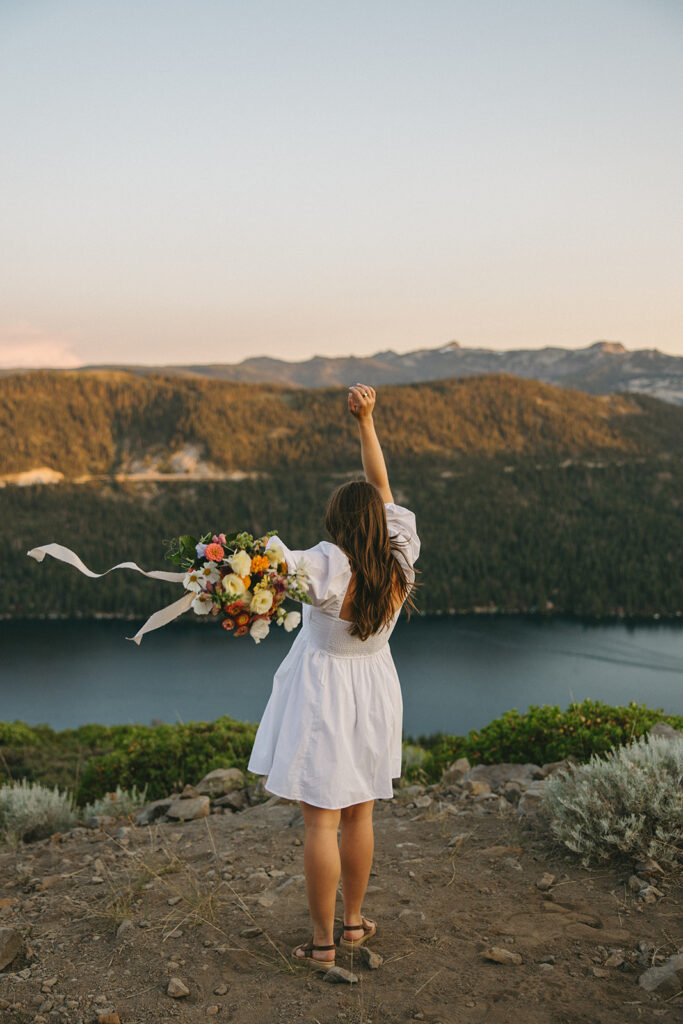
(330, 736)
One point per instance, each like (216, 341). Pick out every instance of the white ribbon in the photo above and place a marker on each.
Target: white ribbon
(155, 621)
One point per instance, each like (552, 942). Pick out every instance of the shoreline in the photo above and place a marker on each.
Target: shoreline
(644, 618)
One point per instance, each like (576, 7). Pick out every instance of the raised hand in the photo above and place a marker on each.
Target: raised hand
(361, 401)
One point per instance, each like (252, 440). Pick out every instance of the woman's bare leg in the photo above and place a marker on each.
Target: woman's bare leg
(356, 847)
(322, 867)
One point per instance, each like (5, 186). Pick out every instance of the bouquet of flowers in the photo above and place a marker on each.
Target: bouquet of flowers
(241, 578)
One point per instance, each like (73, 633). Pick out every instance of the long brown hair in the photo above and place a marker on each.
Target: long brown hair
(356, 520)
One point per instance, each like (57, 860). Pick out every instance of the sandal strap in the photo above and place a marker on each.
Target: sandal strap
(355, 927)
(324, 947)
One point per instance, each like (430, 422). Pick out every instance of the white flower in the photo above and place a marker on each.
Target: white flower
(209, 573)
(292, 620)
(240, 563)
(275, 553)
(233, 585)
(261, 601)
(259, 630)
(202, 604)
(193, 581)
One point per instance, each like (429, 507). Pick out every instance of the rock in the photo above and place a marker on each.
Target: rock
(236, 800)
(512, 864)
(221, 990)
(98, 820)
(369, 958)
(423, 801)
(177, 988)
(664, 729)
(458, 839)
(501, 956)
(549, 959)
(512, 791)
(251, 933)
(477, 786)
(150, 812)
(649, 894)
(545, 881)
(172, 900)
(635, 884)
(411, 916)
(455, 772)
(11, 944)
(189, 809)
(665, 980)
(530, 801)
(221, 781)
(600, 972)
(555, 766)
(615, 959)
(339, 976)
(189, 792)
(410, 792)
(497, 775)
(125, 928)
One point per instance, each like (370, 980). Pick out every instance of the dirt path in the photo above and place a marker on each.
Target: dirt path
(219, 902)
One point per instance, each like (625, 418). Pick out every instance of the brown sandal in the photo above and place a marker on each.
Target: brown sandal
(310, 961)
(369, 929)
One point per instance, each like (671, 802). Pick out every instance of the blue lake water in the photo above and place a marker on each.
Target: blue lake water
(457, 673)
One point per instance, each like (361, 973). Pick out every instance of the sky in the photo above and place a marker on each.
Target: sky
(207, 180)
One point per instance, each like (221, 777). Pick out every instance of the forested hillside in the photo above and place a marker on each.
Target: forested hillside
(528, 497)
(103, 423)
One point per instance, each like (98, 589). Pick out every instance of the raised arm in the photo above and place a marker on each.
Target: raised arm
(361, 404)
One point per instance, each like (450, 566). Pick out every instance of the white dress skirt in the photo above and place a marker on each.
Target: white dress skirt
(331, 732)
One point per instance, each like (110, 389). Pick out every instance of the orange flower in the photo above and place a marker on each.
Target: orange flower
(242, 619)
(259, 563)
(228, 623)
(246, 580)
(214, 553)
(240, 631)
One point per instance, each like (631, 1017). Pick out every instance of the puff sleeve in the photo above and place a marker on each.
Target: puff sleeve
(326, 566)
(403, 531)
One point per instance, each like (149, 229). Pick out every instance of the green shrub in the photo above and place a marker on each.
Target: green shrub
(163, 757)
(630, 802)
(30, 811)
(543, 734)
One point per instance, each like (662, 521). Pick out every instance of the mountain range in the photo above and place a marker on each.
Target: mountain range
(600, 368)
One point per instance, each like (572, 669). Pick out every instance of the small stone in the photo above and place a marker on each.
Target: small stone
(615, 959)
(125, 928)
(665, 980)
(236, 801)
(649, 894)
(189, 808)
(251, 933)
(177, 988)
(10, 946)
(212, 1011)
(454, 773)
(549, 959)
(49, 983)
(172, 900)
(221, 990)
(459, 839)
(635, 884)
(501, 956)
(599, 972)
(423, 801)
(477, 786)
(545, 881)
(370, 959)
(220, 781)
(339, 976)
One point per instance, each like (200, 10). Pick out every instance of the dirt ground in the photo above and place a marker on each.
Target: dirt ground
(109, 916)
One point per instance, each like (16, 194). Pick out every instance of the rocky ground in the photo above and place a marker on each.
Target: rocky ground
(481, 917)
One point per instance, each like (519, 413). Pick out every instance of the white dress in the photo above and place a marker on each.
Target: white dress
(331, 732)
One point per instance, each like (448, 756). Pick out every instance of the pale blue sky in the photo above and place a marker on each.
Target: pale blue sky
(202, 180)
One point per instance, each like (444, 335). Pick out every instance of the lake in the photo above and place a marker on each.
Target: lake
(457, 673)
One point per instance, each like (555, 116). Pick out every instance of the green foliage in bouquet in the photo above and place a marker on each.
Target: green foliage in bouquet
(541, 735)
(630, 803)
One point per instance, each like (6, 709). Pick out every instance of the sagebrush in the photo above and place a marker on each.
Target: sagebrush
(629, 802)
(30, 811)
